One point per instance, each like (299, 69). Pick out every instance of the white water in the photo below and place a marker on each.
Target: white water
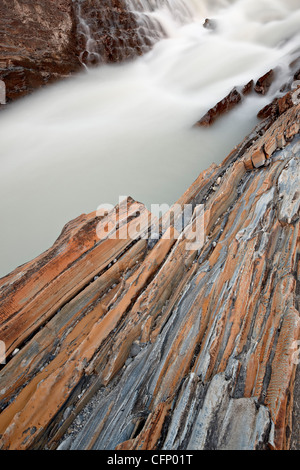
(127, 129)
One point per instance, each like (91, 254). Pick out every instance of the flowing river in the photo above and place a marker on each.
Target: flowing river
(127, 129)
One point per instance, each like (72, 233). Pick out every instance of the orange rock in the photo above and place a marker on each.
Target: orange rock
(285, 103)
(258, 158)
(270, 147)
(292, 131)
(248, 164)
(281, 142)
(40, 288)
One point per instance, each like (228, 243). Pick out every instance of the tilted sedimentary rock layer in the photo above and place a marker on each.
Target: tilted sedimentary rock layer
(133, 343)
(262, 85)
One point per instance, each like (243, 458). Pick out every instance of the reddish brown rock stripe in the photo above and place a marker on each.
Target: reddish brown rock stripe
(31, 298)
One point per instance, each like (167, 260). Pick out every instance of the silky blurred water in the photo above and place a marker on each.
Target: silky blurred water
(127, 129)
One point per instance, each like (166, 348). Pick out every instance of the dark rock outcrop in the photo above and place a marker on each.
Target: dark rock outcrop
(43, 41)
(115, 34)
(222, 107)
(263, 83)
(248, 88)
(38, 44)
(272, 110)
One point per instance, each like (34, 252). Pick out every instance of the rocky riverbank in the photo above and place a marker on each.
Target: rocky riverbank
(118, 342)
(38, 44)
(44, 41)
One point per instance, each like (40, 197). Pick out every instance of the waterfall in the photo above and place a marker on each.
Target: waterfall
(127, 129)
(104, 38)
(89, 55)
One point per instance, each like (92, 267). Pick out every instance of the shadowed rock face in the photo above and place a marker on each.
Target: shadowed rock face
(135, 345)
(38, 44)
(42, 41)
(109, 32)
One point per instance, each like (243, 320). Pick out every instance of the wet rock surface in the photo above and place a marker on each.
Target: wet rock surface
(222, 107)
(263, 84)
(108, 31)
(133, 345)
(44, 41)
(279, 105)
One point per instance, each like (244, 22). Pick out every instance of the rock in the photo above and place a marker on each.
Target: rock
(269, 111)
(61, 272)
(131, 35)
(46, 40)
(285, 103)
(222, 107)
(40, 44)
(278, 106)
(135, 349)
(243, 422)
(248, 88)
(66, 444)
(281, 143)
(297, 75)
(270, 146)
(258, 158)
(249, 164)
(291, 131)
(210, 24)
(289, 192)
(263, 83)
(173, 346)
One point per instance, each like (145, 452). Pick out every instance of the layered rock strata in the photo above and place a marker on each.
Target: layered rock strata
(118, 341)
